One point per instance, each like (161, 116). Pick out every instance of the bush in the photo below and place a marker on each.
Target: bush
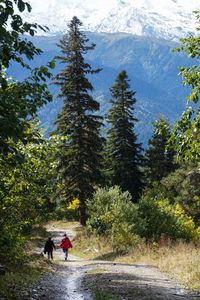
(184, 183)
(70, 213)
(111, 212)
(158, 217)
(11, 245)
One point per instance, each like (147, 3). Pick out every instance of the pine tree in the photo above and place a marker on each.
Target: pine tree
(159, 163)
(123, 152)
(80, 156)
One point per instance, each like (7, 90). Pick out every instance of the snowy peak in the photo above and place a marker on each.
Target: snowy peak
(169, 19)
(146, 19)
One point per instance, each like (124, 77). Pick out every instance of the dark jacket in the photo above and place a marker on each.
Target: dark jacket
(49, 246)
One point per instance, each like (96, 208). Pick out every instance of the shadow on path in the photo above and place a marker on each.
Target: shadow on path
(75, 278)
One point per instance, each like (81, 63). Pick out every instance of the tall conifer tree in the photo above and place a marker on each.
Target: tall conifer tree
(80, 157)
(159, 163)
(123, 152)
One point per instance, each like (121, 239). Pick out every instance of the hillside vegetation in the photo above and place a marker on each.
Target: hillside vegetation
(83, 170)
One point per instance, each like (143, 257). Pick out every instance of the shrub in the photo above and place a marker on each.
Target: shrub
(11, 245)
(184, 183)
(71, 212)
(158, 217)
(112, 212)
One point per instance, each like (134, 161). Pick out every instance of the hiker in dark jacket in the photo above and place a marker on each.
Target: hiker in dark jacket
(48, 248)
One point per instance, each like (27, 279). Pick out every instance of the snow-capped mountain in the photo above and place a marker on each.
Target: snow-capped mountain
(169, 19)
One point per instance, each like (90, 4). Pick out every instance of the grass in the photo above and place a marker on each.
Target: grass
(30, 266)
(90, 246)
(26, 269)
(96, 271)
(104, 295)
(181, 261)
(37, 237)
(17, 278)
(64, 225)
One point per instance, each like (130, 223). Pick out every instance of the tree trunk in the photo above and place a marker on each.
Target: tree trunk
(2, 270)
(82, 211)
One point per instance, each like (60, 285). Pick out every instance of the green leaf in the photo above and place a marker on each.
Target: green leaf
(29, 8)
(51, 64)
(32, 32)
(21, 5)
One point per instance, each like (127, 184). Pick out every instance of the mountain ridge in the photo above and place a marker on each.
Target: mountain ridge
(169, 19)
(150, 65)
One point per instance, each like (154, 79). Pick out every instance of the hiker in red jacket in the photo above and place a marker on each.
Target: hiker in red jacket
(65, 244)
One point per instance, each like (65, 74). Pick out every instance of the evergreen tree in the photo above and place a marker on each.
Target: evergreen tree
(159, 163)
(80, 157)
(123, 152)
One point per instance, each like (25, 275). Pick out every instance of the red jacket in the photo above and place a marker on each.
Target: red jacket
(65, 243)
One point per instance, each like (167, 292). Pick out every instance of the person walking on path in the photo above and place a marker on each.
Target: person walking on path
(65, 244)
(48, 248)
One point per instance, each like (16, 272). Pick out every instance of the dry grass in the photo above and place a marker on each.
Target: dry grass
(181, 260)
(90, 247)
(64, 225)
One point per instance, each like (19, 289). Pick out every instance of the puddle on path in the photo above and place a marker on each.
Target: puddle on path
(181, 292)
(72, 285)
(77, 268)
(184, 293)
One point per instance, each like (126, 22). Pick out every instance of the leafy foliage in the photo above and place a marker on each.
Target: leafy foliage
(191, 75)
(26, 191)
(160, 218)
(185, 135)
(183, 185)
(71, 212)
(112, 212)
(80, 160)
(19, 100)
(26, 166)
(13, 43)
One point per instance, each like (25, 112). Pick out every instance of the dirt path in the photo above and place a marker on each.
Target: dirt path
(74, 279)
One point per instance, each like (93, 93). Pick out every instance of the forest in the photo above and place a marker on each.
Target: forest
(91, 169)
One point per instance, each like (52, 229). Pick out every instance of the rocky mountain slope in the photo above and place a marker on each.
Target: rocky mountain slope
(150, 64)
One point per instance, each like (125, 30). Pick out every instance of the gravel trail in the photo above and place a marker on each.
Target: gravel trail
(75, 278)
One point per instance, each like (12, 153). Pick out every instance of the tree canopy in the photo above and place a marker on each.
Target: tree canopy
(159, 163)
(123, 152)
(19, 100)
(80, 159)
(26, 178)
(186, 135)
